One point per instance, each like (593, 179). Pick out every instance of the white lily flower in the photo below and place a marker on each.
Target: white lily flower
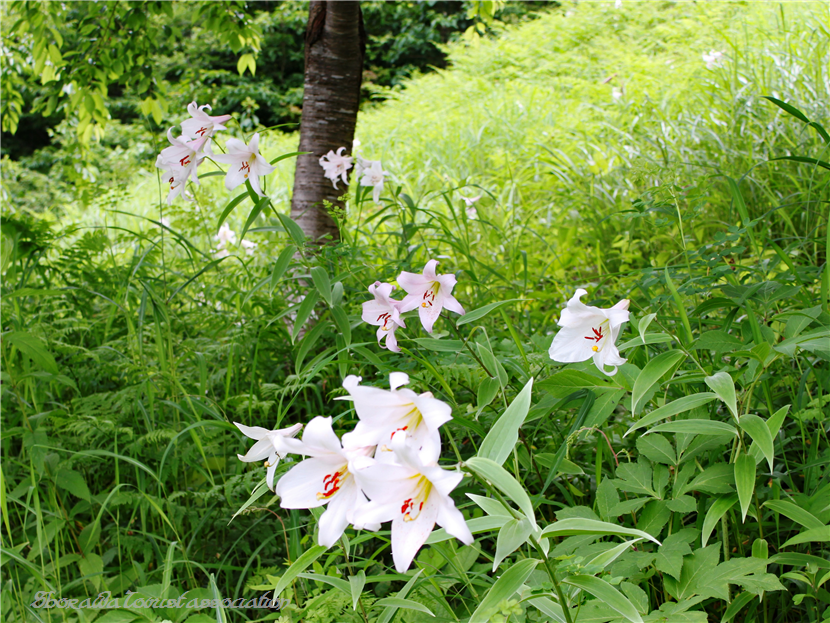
(415, 495)
(371, 173)
(250, 247)
(271, 445)
(180, 161)
(589, 332)
(384, 313)
(202, 124)
(246, 163)
(713, 59)
(470, 202)
(383, 412)
(430, 293)
(616, 94)
(336, 166)
(325, 478)
(225, 236)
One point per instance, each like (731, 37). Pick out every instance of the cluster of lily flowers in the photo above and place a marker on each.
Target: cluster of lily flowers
(386, 469)
(369, 172)
(181, 160)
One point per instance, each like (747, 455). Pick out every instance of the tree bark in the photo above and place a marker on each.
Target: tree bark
(334, 47)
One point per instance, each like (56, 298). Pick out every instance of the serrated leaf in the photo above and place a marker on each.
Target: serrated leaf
(693, 575)
(670, 554)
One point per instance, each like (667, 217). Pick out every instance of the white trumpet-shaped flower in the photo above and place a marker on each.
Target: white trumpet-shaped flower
(430, 293)
(371, 173)
(180, 161)
(385, 313)
(714, 58)
(383, 412)
(336, 165)
(202, 125)
(225, 236)
(590, 332)
(325, 478)
(246, 164)
(271, 446)
(414, 494)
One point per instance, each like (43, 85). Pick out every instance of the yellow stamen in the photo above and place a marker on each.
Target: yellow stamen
(595, 348)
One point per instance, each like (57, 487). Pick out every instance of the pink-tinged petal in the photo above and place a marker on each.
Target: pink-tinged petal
(237, 147)
(392, 341)
(258, 452)
(413, 283)
(434, 411)
(410, 302)
(307, 484)
(334, 521)
(409, 536)
(450, 303)
(236, 176)
(429, 271)
(319, 438)
(570, 345)
(373, 313)
(428, 315)
(235, 159)
(451, 520)
(254, 432)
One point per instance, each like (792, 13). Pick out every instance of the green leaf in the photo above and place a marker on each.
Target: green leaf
(33, 348)
(713, 515)
(297, 567)
(578, 526)
(477, 525)
(745, 481)
(407, 604)
(696, 567)
(304, 311)
(488, 388)
(504, 434)
(682, 504)
(440, 346)
(657, 449)
(757, 428)
(564, 383)
(774, 425)
(341, 585)
(723, 385)
(796, 513)
(695, 427)
(356, 584)
(681, 405)
(789, 108)
(814, 535)
(342, 322)
(281, 265)
(642, 340)
(607, 594)
(92, 565)
(670, 554)
(718, 341)
(229, 208)
(483, 311)
(651, 374)
(89, 537)
(799, 560)
(504, 588)
(391, 609)
(512, 534)
(255, 212)
(322, 282)
(736, 606)
(500, 478)
(717, 478)
(73, 482)
(294, 230)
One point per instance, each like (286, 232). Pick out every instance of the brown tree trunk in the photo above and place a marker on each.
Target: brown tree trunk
(334, 48)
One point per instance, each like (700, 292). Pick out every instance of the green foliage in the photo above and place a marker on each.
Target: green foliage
(691, 486)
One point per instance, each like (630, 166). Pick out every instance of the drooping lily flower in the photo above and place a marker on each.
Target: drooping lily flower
(225, 236)
(415, 495)
(383, 412)
(202, 125)
(336, 165)
(713, 59)
(325, 478)
(180, 161)
(589, 332)
(384, 313)
(250, 247)
(430, 293)
(470, 202)
(246, 163)
(271, 445)
(371, 173)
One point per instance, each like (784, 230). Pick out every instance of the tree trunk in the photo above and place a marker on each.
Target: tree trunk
(334, 47)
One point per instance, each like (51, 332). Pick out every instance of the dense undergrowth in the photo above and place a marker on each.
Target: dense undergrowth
(128, 350)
